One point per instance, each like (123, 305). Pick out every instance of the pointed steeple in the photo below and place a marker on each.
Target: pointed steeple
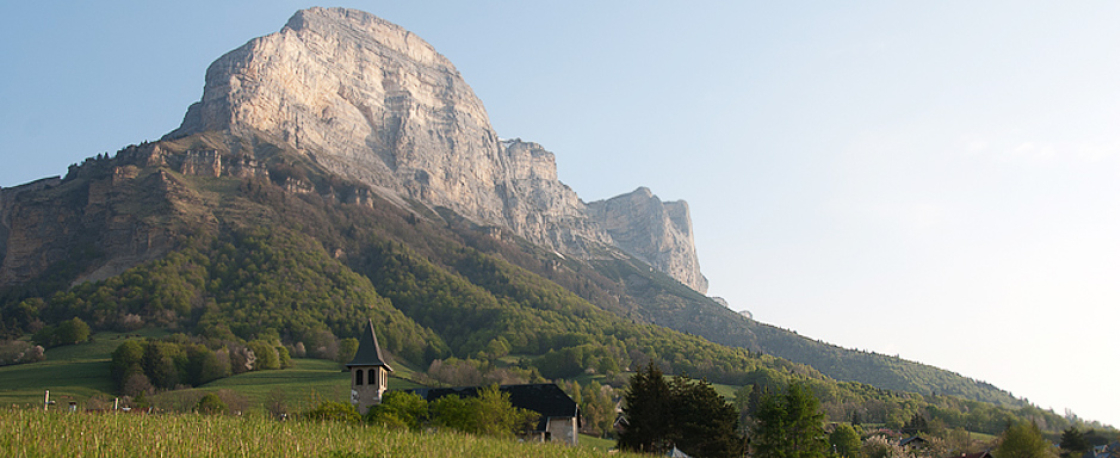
(369, 352)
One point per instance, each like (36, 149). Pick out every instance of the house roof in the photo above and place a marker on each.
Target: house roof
(912, 440)
(369, 352)
(546, 399)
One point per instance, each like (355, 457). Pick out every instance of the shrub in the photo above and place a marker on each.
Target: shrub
(491, 413)
(399, 409)
(347, 348)
(19, 352)
(211, 404)
(333, 411)
(71, 332)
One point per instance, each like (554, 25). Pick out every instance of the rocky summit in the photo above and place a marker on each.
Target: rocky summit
(372, 102)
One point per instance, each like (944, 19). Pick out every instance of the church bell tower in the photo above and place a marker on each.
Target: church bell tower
(369, 373)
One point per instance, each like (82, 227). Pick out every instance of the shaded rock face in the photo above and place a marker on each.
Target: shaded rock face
(372, 102)
(659, 233)
(67, 224)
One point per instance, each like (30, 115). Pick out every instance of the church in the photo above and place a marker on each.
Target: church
(560, 417)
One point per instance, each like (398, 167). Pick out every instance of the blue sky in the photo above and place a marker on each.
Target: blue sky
(934, 181)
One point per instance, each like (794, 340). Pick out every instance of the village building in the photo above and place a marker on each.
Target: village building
(369, 373)
(1104, 451)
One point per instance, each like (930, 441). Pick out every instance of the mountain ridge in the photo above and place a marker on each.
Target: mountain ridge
(112, 213)
(374, 103)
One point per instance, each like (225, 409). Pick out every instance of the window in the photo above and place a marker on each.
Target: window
(358, 377)
(373, 379)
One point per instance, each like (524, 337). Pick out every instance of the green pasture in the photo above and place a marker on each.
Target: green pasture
(80, 372)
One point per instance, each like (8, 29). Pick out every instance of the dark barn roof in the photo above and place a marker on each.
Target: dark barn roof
(546, 399)
(369, 352)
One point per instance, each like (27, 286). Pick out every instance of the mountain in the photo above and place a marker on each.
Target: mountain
(342, 169)
(370, 101)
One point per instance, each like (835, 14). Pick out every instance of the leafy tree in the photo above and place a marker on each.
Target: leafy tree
(44, 337)
(127, 360)
(451, 412)
(347, 348)
(490, 413)
(597, 407)
(136, 385)
(917, 424)
(162, 362)
(267, 356)
(845, 441)
(790, 426)
(333, 411)
(203, 365)
(399, 409)
(71, 331)
(285, 357)
(276, 403)
(495, 415)
(1023, 440)
(211, 404)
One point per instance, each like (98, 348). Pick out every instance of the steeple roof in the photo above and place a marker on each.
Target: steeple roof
(369, 352)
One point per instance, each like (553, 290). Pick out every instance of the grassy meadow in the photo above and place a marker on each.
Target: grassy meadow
(81, 372)
(35, 433)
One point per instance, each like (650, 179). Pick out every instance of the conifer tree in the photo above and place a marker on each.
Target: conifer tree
(685, 413)
(647, 412)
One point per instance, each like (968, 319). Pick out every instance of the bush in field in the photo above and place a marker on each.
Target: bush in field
(211, 404)
(400, 410)
(19, 352)
(267, 356)
(72, 331)
(68, 332)
(490, 413)
(333, 411)
(181, 360)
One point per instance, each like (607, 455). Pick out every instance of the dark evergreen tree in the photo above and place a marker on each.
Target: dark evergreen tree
(703, 423)
(685, 413)
(1073, 443)
(647, 412)
(916, 425)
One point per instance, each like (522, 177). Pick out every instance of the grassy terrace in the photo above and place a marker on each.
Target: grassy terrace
(79, 372)
(34, 433)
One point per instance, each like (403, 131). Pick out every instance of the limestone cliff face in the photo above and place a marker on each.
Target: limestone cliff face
(659, 233)
(372, 102)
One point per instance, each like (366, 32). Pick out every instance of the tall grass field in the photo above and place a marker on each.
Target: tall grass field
(35, 433)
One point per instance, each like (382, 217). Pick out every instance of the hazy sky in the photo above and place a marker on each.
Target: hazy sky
(937, 181)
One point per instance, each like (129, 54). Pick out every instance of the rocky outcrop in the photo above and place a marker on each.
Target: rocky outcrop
(659, 233)
(372, 102)
(86, 226)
